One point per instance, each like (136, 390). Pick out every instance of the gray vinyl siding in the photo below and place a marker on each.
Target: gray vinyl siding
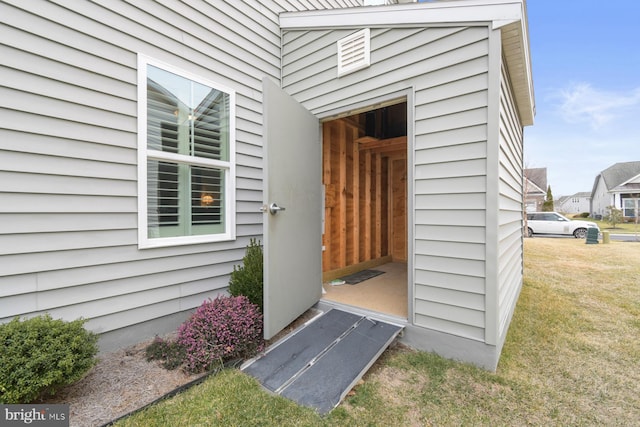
(68, 150)
(447, 69)
(601, 198)
(510, 208)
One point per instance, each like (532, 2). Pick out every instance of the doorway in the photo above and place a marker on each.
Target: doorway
(364, 176)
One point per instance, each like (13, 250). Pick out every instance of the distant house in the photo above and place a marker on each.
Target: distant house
(535, 188)
(619, 186)
(576, 203)
(140, 144)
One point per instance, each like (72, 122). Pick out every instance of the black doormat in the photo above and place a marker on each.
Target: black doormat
(361, 276)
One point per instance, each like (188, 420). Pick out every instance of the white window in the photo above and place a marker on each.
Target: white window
(629, 208)
(186, 157)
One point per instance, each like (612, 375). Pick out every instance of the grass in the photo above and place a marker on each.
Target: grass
(621, 228)
(571, 357)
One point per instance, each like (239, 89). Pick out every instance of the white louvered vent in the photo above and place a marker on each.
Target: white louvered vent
(353, 52)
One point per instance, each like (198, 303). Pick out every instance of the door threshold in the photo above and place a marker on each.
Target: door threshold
(326, 305)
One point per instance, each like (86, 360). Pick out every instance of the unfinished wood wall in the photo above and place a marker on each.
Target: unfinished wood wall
(399, 206)
(365, 199)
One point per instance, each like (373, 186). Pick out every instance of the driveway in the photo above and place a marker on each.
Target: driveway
(625, 237)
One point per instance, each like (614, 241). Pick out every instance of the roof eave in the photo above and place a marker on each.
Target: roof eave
(632, 179)
(515, 43)
(463, 11)
(530, 190)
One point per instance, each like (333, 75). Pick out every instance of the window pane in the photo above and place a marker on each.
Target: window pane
(210, 136)
(204, 214)
(186, 117)
(163, 198)
(628, 207)
(207, 200)
(162, 115)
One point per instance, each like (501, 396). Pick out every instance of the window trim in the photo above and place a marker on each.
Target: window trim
(229, 167)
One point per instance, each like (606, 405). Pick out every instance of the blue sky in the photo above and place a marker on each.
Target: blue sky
(586, 75)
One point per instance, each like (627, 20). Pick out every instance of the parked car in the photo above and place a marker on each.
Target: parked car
(554, 223)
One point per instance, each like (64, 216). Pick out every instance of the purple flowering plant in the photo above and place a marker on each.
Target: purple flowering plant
(226, 328)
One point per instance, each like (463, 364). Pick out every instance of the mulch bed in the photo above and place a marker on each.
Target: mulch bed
(123, 382)
(120, 383)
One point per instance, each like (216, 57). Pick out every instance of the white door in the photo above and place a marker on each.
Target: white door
(293, 234)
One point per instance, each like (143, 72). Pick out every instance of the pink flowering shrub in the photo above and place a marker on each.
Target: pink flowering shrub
(221, 329)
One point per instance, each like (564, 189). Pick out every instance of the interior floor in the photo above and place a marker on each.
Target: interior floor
(386, 293)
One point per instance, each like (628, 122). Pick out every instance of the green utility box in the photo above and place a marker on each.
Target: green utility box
(592, 236)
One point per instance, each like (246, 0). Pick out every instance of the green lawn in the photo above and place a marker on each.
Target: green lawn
(622, 228)
(572, 357)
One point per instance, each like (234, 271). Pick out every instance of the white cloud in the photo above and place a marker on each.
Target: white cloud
(581, 103)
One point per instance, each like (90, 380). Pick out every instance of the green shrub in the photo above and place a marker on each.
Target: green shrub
(613, 216)
(40, 355)
(584, 215)
(247, 279)
(170, 354)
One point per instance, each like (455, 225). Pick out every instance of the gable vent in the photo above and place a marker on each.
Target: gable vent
(353, 52)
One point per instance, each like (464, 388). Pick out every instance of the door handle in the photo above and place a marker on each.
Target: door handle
(274, 208)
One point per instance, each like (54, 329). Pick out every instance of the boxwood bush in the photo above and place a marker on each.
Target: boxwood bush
(247, 279)
(40, 355)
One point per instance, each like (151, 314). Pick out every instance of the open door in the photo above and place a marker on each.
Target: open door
(292, 209)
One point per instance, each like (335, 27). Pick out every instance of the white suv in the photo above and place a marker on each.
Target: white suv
(554, 223)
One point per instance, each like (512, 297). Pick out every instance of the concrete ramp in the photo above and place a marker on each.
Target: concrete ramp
(318, 364)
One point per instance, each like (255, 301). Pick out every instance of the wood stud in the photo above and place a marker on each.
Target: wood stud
(365, 199)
